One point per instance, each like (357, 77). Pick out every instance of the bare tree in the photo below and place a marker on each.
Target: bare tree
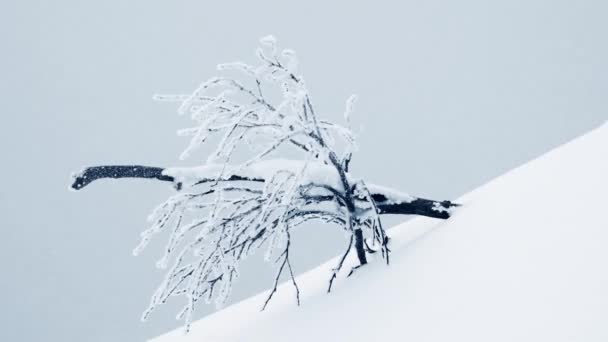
(244, 196)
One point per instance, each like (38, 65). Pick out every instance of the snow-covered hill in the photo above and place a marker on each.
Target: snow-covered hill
(525, 259)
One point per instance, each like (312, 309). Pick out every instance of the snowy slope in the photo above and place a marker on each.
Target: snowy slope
(525, 259)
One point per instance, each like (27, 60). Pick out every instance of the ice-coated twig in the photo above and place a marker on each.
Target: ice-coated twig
(340, 264)
(285, 262)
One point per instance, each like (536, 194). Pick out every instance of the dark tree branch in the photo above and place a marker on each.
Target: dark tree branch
(90, 174)
(385, 204)
(418, 206)
(233, 178)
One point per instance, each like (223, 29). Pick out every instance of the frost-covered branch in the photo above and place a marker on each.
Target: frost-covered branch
(338, 267)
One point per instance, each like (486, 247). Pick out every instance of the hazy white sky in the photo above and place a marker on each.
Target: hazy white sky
(451, 95)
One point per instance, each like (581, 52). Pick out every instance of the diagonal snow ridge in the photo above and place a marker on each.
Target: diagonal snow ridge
(524, 259)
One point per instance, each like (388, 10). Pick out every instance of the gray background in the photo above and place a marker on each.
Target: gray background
(452, 94)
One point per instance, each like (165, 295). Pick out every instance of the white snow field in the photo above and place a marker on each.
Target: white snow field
(524, 259)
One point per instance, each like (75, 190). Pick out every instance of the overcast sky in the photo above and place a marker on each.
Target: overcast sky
(452, 94)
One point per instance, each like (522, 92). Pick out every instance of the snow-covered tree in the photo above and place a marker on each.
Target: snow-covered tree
(245, 196)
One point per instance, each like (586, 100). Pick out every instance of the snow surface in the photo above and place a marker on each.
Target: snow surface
(525, 259)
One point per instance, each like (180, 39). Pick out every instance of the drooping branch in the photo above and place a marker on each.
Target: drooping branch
(340, 264)
(386, 201)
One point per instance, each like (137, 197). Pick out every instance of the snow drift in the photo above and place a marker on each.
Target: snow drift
(525, 259)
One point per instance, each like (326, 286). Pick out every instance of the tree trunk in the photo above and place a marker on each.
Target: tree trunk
(359, 246)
